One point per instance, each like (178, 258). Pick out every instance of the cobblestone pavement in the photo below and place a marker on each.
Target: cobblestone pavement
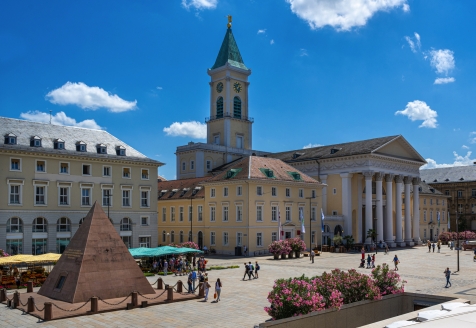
(242, 302)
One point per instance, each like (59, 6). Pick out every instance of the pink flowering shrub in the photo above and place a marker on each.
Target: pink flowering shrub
(464, 235)
(279, 247)
(189, 244)
(297, 244)
(387, 281)
(292, 297)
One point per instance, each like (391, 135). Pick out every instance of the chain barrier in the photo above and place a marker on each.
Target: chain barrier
(37, 309)
(19, 300)
(176, 285)
(8, 299)
(152, 298)
(72, 310)
(114, 304)
(156, 281)
(196, 288)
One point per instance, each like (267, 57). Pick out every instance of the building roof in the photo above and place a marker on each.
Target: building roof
(229, 53)
(70, 135)
(449, 174)
(426, 189)
(334, 151)
(180, 189)
(257, 168)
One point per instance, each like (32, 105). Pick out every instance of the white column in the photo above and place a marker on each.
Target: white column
(379, 205)
(389, 216)
(368, 204)
(227, 101)
(323, 178)
(416, 210)
(358, 236)
(347, 202)
(408, 213)
(398, 210)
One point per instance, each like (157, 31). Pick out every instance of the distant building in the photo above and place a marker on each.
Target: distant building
(53, 174)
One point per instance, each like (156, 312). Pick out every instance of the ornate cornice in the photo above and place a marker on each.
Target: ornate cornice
(399, 178)
(389, 177)
(368, 175)
(378, 176)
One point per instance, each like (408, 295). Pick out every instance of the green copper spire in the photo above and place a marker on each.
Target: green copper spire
(229, 53)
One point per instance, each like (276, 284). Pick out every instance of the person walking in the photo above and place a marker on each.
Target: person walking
(206, 289)
(433, 246)
(373, 261)
(246, 271)
(438, 244)
(312, 256)
(396, 261)
(362, 251)
(428, 243)
(189, 281)
(194, 279)
(447, 273)
(245, 249)
(250, 271)
(369, 259)
(218, 289)
(256, 269)
(386, 248)
(166, 267)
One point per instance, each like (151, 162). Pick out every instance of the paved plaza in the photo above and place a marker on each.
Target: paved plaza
(242, 302)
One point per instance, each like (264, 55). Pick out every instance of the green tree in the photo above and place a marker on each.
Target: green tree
(372, 233)
(349, 241)
(462, 225)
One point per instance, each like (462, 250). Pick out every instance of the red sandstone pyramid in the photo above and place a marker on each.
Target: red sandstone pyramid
(95, 263)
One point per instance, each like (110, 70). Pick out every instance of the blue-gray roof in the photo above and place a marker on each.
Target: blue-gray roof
(49, 133)
(449, 174)
(229, 53)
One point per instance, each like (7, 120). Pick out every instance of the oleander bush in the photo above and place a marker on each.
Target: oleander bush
(280, 247)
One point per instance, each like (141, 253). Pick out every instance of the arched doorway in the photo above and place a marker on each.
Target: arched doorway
(338, 230)
(200, 240)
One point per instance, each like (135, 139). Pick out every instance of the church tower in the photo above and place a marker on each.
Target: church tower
(229, 124)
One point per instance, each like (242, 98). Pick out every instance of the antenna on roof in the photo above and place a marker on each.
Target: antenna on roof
(50, 115)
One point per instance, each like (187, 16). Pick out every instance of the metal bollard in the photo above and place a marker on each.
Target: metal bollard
(134, 299)
(16, 300)
(3, 295)
(48, 311)
(31, 305)
(29, 287)
(94, 304)
(170, 293)
(160, 284)
(201, 291)
(179, 286)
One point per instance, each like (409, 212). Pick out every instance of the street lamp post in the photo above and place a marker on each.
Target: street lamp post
(108, 203)
(310, 220)
(457, 242)
(191, 220)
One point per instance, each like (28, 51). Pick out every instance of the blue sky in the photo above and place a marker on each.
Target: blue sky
(323, 71)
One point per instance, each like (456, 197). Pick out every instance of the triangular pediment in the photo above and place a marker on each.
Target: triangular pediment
(95, 263)
(399, 148)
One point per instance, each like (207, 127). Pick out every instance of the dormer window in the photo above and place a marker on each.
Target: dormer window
(174, 191)
(58, 144)
(120, 151)
(101, 149)
(81, 146)
(35, 141)
(197, 189)
(335, 150)
(232, 173)
(162, 193)
(184, 191)
(296, 176)
(267, 172)
(10, 139)
(296, 155)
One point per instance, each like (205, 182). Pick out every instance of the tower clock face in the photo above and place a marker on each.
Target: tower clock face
(220, 87)
(237, 87)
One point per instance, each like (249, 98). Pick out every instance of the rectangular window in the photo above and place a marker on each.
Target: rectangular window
(424, 233)
(239, 239)
(144, 220)
(15, 194)
(216, 140)
(86, 169)
(288, 213)
(443, 202)
(39, 246)
(431, 216)
(424, 201)
(172, 214)
(239, 213)
(86, 196)
(301, 193)
(15, 164)
(334, 212)
(473, 208)
(313, 193)
(190, 213)
(447, 192)
(212, 238)
(334, 191)
(225, 213)
(64, 168)
(239, 191)
(473, 192)
(288, 192)
(259, 190)
(212, 192)
(144, 242)
(200, 212)
(225, 238)
(106, 171)
(274, 213)
(225, 191)
(181, 213)
(239, 142)
(259, 213)
(313, 214)
(209, 165)
(64, 196)
(212, 214)
(437, 202)
(40, 166)
(183, 166)
(274, 236)
(126, 198)
(259, 239)
(61, 244)
(127, 241)
(443, 217)
(40, 195)
(273, 191)
(424, 216)
(431, 201)
(313, 237)
(126, 172)
(460, 193)
(106, 197)
(192, 165)
(164, 214)
(144, 174)
(144, 198)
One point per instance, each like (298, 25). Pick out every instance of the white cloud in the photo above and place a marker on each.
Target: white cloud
(342, 15)
(458, 161)
(191, 129)
(271, 42)
(59, 118)
(406, 7)
(418, 110)
(261, 31)
(159, 88)
(464, 147)
(86, 97)
(444, 80)
(303, 52)
(473, 139)
(199, 4)
(414, 45)
(442, 60)
(311, 145)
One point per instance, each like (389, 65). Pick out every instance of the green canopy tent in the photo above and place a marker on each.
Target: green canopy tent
(161, 251)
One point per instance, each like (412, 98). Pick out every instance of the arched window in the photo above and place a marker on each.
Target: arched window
(14, 225)
(220, 107)
(172, 236)
(40, 225)
(338, 230)
(63, 225)
(237, 107)
(126, 224)
(181, 236)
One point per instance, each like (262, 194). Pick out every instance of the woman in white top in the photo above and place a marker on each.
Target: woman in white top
(218, 288)
(206, 288)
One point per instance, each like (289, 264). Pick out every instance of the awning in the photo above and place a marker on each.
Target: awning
(161, 251)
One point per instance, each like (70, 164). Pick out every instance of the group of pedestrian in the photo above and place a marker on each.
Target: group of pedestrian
(251, 270)
(433, 245)
(206, 288)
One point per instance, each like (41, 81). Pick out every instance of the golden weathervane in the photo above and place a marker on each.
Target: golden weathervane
(229, 21)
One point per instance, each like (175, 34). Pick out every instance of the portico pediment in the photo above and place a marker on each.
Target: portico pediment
(399, 148)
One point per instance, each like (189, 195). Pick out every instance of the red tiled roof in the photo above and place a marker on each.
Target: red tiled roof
(180, 185)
